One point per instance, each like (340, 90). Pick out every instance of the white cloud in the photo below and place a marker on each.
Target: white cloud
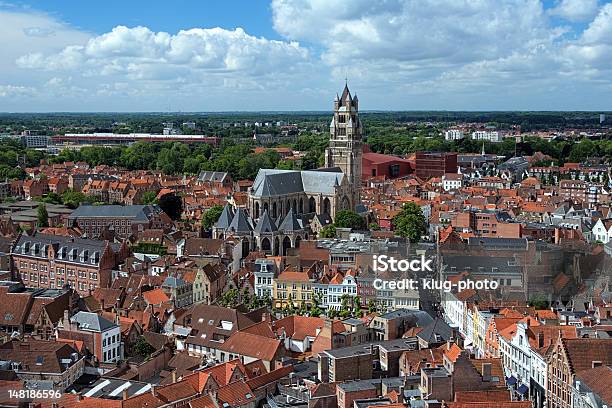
(11, 91)
(453, 48)
(398, 54)
(139, 53)
(593, 49)
(413, 30)
(575, 10)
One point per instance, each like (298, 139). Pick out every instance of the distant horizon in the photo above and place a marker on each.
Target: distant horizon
(289, 112)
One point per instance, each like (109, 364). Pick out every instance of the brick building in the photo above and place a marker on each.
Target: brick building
(430, 165)
(52, 261)
(123, 220)
(569, 357)
(377, 165)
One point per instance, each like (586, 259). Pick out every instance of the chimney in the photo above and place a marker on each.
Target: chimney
(124, 394)
(173, 376)
(486, 372)
(540, 339)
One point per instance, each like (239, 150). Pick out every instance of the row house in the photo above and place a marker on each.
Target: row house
(602, 231)
(574, 190)
(35, 188)
(294, 287)
(117, 190)
(333, 291)
(566, 360)
(34, 312)
(58, 185)
(53, 261)
(208, 327)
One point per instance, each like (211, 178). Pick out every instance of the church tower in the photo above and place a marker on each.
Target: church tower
(345, 143)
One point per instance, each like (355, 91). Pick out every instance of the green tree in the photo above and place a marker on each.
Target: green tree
(211, 216)
(357, 306)
(373, 226)
(73, 199)
(51, 198)
(315, 310)
(371, 306)
(143, 348)
(349, 219)
(539, 301)
(43, 216)
(149, 197)
(410, 222)
(285, 165)
(329, 231)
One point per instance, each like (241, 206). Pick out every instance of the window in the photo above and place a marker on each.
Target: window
(394, 170)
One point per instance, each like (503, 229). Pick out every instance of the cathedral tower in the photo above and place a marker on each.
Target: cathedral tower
(345, 143)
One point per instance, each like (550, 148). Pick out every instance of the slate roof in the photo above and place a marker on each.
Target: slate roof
(92, 322)
(291, 222)
(265, 224)
(212, 176)
(275, 182)
(135, 212)
(241, 222)
(225, 218)
(498, 243)
(39, 244)
(436, 332)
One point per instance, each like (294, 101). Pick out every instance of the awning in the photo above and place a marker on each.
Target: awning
(522, 389)
(511, 380)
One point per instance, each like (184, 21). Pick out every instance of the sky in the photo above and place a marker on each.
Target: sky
(294, 55)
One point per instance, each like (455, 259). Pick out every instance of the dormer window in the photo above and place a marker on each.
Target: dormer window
(96, 257)
(26, 247)
(85, 256)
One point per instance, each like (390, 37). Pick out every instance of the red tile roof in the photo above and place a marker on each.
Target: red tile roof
(251, 345)
(155, 297)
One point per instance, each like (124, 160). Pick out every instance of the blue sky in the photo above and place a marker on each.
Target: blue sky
(252, 55)
(255, 16)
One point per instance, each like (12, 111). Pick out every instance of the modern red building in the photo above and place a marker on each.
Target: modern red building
(430, 165)
(377, 165)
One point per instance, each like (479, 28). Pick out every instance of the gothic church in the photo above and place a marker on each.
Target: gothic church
(283, 203)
